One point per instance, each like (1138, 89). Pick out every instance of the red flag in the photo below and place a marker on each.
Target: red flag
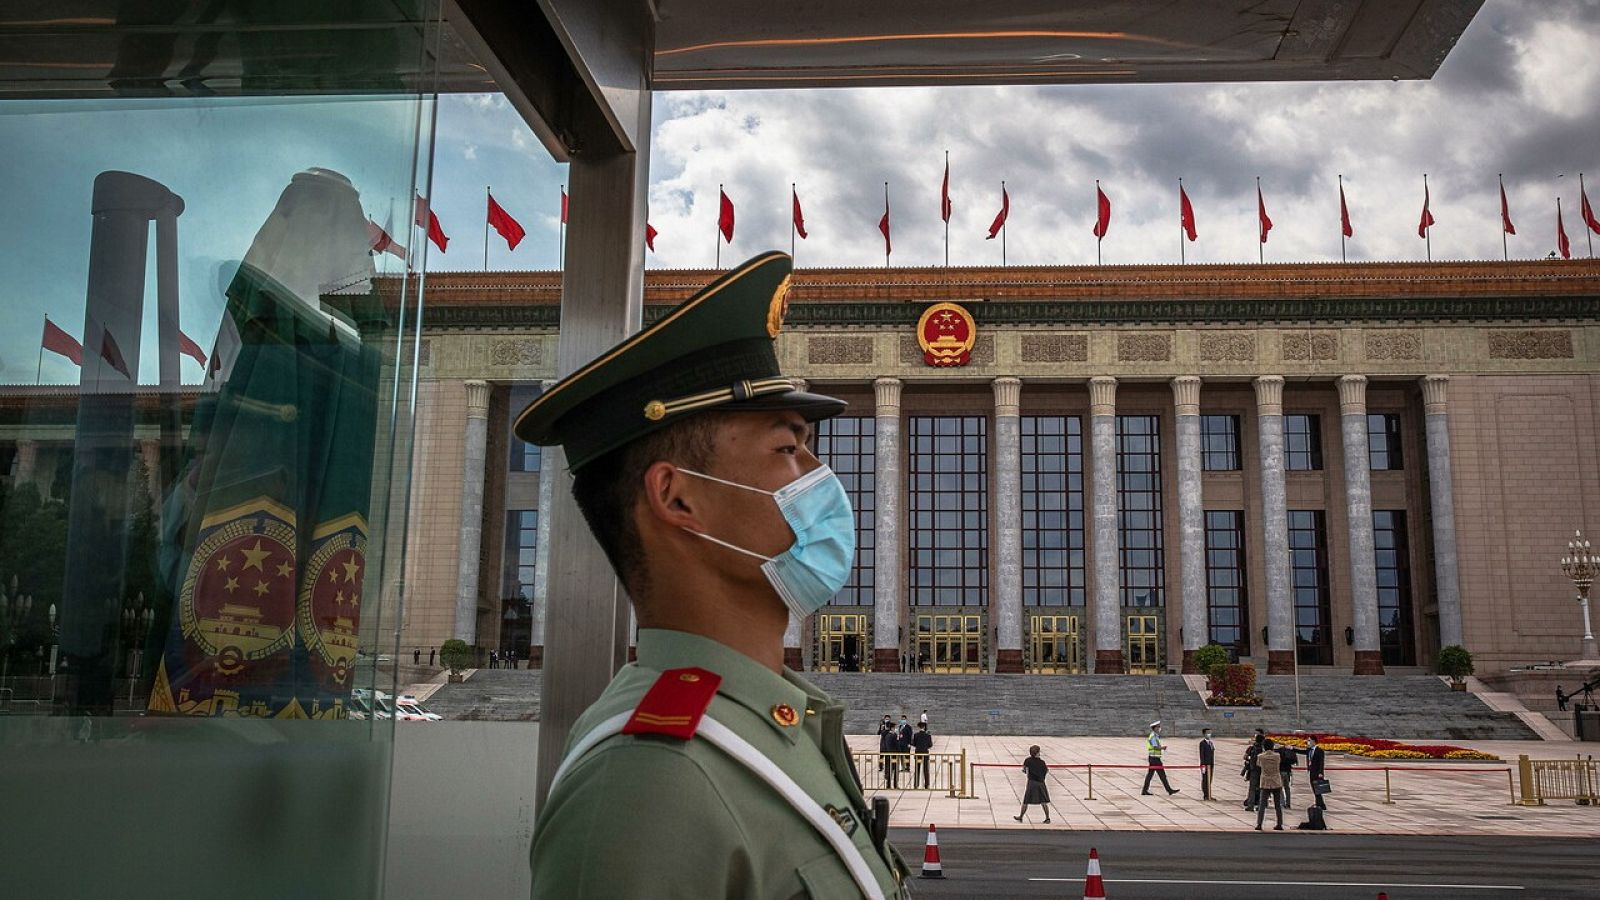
(509, 228)
(1265, 224)
(1588, 213)
(1344, 215)
(426, 219)
(1102, 222)
(944, 194)
(111, 353)
(563, 206)
(1186, 214)
(1000, 217)
(189, 348)
(883, 226)
(1561, 233)
(381, 242)
(1505, 213)
(650, 236)
(1426, 221)
(725, 217)
(799, 217)
(57, 341)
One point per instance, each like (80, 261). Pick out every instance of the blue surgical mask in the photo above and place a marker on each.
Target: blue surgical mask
(816, 566)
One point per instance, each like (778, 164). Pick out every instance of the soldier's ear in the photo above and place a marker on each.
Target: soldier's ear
(672, 497)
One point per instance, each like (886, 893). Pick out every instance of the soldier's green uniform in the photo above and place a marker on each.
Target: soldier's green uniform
(647, 816)
(758, 798)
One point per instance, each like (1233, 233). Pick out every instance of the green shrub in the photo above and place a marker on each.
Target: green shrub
(1210, 659)
(456, 654)
(1234, 685)
(1455, 662)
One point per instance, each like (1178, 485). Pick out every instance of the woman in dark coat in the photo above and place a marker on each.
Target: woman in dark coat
(1037, 792)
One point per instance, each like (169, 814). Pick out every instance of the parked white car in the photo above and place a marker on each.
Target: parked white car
(412, 706)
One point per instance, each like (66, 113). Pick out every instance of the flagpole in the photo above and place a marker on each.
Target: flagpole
(1261, 246)
(488, 197)
(792, 198)
(1505, 254)
(1427, 230)
(886, 239)
(947, 218)
(1588, 233)
(561, 235)
(1101, 236)
(718, 232)
(1342, 257)
(1182, 258)
(1560, 225)
(1003, 226)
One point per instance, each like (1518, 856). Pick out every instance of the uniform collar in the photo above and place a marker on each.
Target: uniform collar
(744, 681)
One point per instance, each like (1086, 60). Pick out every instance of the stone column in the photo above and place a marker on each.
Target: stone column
(1358, 511)
(1191, 519)
(887, 582)
(27, 462)
(1107, 569)
(475, 441)
(1007, 603)
(1446, 575)
(541, 556)
(1275, 526)
(150, 454)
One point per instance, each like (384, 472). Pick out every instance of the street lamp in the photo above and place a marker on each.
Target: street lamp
(1579, 565)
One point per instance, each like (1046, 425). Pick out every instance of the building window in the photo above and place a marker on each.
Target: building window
(1383, 441)
(1226, 602)
(1394, 587)
(848, 444)
(524, 456)
(1052, 511)
(521, 556)
(949, 511)
(1139, 509)
(1308, 564)
(1302, 443)
(1219, 443)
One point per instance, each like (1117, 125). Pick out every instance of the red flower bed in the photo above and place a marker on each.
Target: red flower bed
(1379, 748)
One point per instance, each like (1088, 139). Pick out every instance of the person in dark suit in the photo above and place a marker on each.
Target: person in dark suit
(921, 743)
(1316, 762)
(1252, 771)
(1208, 763)
(889, 743)
(1286, 761)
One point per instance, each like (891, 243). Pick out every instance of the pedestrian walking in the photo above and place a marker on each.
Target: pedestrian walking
(1271, 784)
(1153, 750)
(921, 744)
(924, 719)
(1252, 771)
(1286, 761)
(1316, 763)
(1036, 791)
(1208, 763)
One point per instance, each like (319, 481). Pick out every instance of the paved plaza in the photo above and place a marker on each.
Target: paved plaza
(1430, 798)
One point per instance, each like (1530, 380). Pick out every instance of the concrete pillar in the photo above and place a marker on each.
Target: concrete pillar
(1191, 519)
(27, 462)
(1358, 512)
(887, 581)
(150, 454)
(476, 440)
(1107, 567)
(548, 476)
(1446, 574)
(1275, 526)
(1007, 603)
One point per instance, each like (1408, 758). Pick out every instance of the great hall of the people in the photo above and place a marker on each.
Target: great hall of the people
(1336, 466)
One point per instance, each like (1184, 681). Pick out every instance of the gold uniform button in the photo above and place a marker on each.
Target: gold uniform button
(688, 676)
(655, 410)
(785, 715)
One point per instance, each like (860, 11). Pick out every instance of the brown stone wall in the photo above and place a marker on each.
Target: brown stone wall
(434, 537)
(1527, 473)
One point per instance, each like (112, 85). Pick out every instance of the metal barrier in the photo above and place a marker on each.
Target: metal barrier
(938, 772)
(1559, 779)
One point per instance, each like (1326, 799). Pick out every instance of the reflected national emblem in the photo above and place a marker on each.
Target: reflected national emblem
(330, 597)
(946, 333)
(238, 598)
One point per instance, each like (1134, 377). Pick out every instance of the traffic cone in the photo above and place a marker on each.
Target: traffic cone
(930, 856)
(1093, 887)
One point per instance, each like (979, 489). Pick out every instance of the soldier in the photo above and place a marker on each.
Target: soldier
(707, 769)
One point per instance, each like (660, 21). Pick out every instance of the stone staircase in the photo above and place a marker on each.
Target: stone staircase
(1400, 706)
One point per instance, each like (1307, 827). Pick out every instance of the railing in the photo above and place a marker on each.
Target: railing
(1559, 779)
(938, 772)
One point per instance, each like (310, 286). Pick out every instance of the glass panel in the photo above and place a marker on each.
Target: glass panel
(1219, 439)
(1052, 467)
(949, 513)
(1139, 510)
(1394, 588)
(1226, 599)
(1302, 442)
(200, 542)
(1309, 570)
(848, 444)
(1383, 441)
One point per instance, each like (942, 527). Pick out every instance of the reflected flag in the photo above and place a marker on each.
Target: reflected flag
(189, 348)
(563, 205)
(57, 341)
(382, 242)
(1000, 217)
(427, 220)
(112, 354)
(505, 225)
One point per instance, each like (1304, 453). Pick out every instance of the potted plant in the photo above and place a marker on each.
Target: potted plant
(455, 654)
(1210, 659)
(1456, 664)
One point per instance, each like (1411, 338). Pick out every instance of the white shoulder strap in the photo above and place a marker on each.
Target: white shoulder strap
(723, 737)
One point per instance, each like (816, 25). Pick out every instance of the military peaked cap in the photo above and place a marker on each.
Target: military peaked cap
(713, 352)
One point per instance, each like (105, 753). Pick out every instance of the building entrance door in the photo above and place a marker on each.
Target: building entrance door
(1053, 645)
(950, 643)
(1143, 645)
(842, 643)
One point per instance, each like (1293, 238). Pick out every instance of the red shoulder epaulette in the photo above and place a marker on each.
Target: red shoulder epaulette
(674, 704)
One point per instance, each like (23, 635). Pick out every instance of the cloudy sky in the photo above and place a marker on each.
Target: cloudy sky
(1517, 95)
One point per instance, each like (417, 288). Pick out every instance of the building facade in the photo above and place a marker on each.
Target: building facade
(1341, 466)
